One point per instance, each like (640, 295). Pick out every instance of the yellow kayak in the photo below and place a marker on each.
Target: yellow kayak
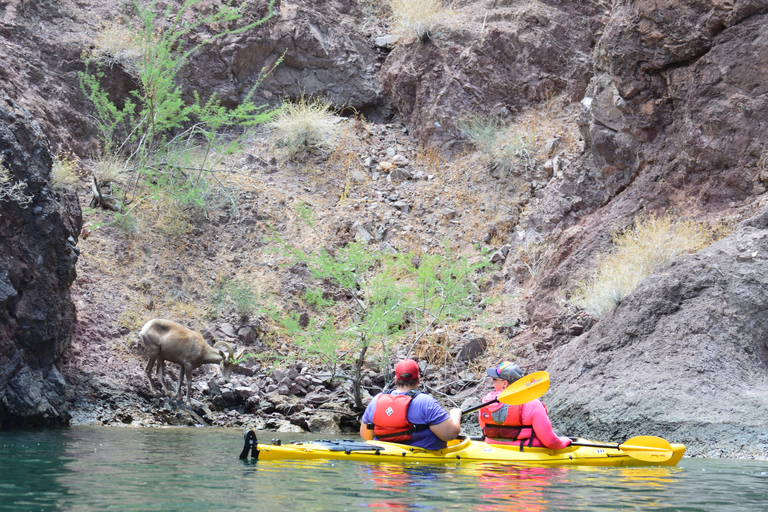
(638, 451)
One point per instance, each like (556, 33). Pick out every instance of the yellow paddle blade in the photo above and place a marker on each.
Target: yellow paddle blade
(647, 448)
(525, 389)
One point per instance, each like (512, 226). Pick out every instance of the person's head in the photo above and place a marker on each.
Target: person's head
(504, 374)
(407, 373)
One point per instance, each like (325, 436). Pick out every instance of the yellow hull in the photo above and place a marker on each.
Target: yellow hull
(461, 450)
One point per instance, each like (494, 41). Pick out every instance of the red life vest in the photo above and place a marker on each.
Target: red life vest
(509, 425)
(390, 419)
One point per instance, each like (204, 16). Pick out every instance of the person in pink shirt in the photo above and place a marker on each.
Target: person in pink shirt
(519, 425)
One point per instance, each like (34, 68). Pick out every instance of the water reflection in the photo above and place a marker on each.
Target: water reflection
(506, 487)
(101, 469)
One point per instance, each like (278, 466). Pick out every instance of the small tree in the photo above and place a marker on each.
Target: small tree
(147, 128)
(387, 296)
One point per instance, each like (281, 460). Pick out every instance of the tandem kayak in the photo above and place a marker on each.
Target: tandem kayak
(638, 451)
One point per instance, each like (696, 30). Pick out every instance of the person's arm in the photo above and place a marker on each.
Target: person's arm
(450, 428)
(543, 427)
(367, 418)
(365, 432)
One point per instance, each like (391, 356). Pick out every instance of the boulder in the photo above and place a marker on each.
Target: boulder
(683, 357)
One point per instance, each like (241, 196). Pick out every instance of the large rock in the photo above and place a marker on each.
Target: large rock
(684, 356)
(37, 267)
(324, 54)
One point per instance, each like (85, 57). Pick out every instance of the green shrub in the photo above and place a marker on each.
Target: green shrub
(241, 296)
(153, 123)
(637, 251)
(305, 127)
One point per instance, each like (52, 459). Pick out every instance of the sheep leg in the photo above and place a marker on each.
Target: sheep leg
(181, 381)
(161, 376)
(188, 372)
(148, 372)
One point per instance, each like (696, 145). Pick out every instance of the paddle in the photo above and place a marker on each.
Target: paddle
(521, 391)
(647, 448)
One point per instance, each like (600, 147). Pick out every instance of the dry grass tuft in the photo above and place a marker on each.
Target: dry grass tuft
(637, 251)
(524, 144)
(10, 191)
(115, 44)
(305, 127)
(421, 18)
(64, 172)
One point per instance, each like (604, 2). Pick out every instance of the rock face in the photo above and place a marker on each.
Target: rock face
(502, 59)
(684, 356)
(37, 267)
(673, 120)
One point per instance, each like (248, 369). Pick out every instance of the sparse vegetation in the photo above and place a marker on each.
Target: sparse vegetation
(421, 18)
(64, 171)
(10, 191)
(305, 127)
(520, 146)
(150, 129)
(116, 44)
(533, 254)
(243, 297)
(637, 251)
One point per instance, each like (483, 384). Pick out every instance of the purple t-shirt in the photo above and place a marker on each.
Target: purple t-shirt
(423, 410)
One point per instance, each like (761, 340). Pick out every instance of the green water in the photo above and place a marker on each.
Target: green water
(184, 469)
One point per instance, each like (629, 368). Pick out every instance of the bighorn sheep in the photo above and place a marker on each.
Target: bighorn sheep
(168, 341)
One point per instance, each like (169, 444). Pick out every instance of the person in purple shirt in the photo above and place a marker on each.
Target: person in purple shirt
(404, 415)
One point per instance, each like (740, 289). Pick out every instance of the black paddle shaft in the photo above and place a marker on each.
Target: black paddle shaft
(472, 409)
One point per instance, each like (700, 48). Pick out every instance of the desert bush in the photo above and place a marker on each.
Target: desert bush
(637, 251)
(150, 125)
(10, 191)
(533, 254)
(421, 18)
(305, 127)
(243, 297)
(386, 297)
(483, 132)
(64, 171)
(526, 142)
(116, 44)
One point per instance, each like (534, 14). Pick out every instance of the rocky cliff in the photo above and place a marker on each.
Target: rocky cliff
(39, 238)
(671, 100)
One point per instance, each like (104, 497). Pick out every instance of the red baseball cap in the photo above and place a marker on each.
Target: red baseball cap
(407, 369)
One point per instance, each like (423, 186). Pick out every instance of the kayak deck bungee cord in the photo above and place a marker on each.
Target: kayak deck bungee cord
(638, 451)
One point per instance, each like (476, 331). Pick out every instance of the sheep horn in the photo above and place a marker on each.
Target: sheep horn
(229, 348)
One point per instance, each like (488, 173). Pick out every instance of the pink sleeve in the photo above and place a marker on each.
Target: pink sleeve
(535, 414)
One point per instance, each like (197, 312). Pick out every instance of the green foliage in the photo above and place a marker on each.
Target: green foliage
(637, 251)
(154, 124)
(306, 213)
(391, 295)
(241, 296)
(127, 223)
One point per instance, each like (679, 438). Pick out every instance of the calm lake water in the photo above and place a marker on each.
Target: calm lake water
(185, 469)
